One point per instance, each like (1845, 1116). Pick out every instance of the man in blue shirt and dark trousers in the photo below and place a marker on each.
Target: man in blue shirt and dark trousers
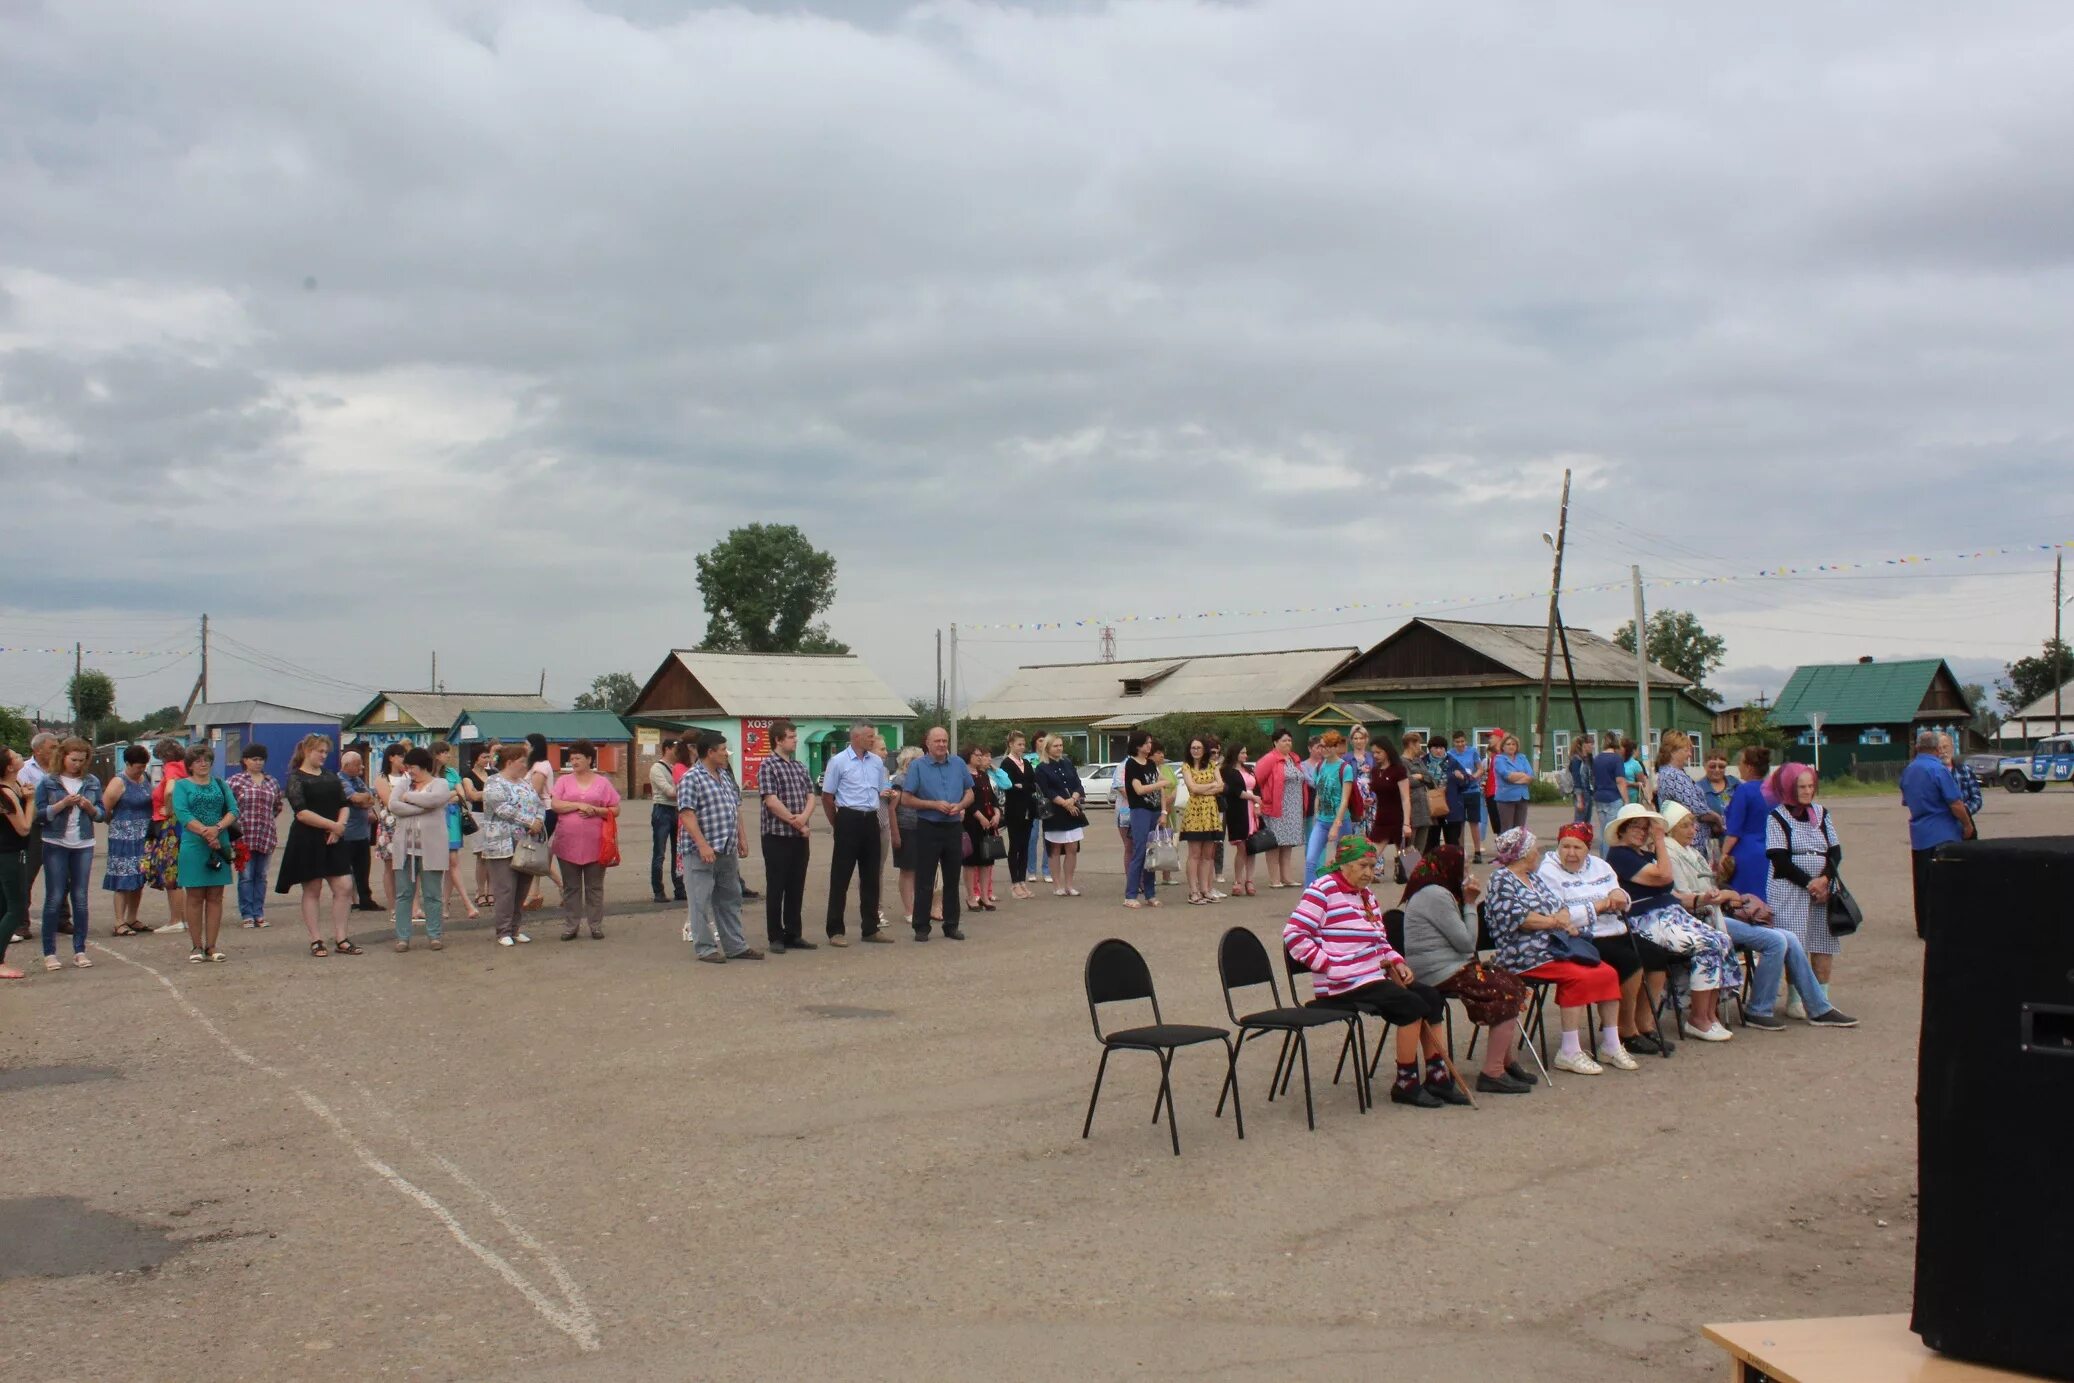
(939, 790)
(1936, 810)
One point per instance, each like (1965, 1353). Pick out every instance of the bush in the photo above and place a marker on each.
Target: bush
(1544, 792)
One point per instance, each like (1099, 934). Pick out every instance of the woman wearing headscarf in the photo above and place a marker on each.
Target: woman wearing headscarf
(1279, 782)
(1801, 843)
(1440, 945)
(1537, 934)
(1338, 932)
(1587, 885)
(1641, 858)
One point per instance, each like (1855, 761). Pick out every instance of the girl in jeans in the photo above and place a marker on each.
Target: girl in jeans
(68, 803)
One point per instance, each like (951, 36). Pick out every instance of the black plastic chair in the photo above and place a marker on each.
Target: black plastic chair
(1242, 963)
(1116, 973)
(1364, 1068)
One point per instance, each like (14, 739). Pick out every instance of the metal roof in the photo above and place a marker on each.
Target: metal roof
(558, 726)
(799, 685)
(205, 714)
(1856, 693)
(1519, 647)
(1273, 681)
(2041, 709)
(438, 710)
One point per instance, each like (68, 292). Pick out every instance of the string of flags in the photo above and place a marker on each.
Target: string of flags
(101, 652)
(1345, 607)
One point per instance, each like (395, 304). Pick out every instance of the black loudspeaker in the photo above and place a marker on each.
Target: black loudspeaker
(1995, 1106)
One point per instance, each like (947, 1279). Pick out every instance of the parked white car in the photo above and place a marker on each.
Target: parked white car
(1100, 782)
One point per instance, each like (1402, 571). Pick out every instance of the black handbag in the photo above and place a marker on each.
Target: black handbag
(1262, 840)
(1845, 915)
(991, 848)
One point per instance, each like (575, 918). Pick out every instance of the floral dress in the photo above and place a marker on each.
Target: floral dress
(127, 828)
(161, 866)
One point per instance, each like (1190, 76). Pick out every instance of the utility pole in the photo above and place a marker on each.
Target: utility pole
(2059, 563)
(433, 685)
(1108, 643)
(952, 728)
(1555, 586)
(78, 661)
(204, 683)
(543, 681)
(1641, 666)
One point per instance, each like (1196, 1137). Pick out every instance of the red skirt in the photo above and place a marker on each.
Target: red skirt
(1578, 984)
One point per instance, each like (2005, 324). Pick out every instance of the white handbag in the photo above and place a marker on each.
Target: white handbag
(531, 855)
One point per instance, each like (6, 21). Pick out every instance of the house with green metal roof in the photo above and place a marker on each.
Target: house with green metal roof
(1871, 712)
(606, 731)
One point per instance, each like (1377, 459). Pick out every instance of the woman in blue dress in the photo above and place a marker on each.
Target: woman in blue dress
(1742, 837)
(204, 811)
(128, 800)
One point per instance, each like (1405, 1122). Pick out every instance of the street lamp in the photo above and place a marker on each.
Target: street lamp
(1815, 719)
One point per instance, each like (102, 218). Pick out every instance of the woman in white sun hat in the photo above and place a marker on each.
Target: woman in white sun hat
(1640, 853)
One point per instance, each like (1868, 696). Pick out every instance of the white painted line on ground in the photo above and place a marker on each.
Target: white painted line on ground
(572, 1316)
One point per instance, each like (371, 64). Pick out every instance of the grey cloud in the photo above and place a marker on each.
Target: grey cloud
(1037, 278)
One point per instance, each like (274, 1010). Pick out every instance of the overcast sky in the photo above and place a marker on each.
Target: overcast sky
(402, 325)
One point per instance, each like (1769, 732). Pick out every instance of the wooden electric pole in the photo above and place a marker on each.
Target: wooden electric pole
(1555, 586)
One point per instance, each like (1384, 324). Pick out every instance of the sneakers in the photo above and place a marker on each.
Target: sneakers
(1794, 1008)
(1713, 1032)
(1833, 1018)
(1763, 1022)
(840, 940)
(506, 941)
(523, 938)
(1619, 1058)
(747, 953)
(1579, 1064)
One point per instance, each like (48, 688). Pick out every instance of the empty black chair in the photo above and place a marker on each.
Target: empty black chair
(1116, 973)
(1242, 963)
(1363, 1069)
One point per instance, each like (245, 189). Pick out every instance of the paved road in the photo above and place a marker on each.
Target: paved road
(597, 1160)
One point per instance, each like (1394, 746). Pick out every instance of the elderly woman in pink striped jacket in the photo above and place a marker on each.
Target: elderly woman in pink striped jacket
(1337, 931)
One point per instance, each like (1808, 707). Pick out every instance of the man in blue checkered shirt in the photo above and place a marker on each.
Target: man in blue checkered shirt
(709, 810)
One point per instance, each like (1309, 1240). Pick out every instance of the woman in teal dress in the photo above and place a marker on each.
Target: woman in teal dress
(204, 811)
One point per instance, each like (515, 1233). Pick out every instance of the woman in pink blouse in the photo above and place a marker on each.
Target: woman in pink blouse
(583, 798)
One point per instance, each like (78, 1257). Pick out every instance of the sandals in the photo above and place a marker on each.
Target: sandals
(8, 973)
(127, 930)
(345, 947)
(317, 949)
(82, 961)
(53, 963)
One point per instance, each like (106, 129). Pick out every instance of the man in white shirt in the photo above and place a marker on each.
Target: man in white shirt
(852, 787)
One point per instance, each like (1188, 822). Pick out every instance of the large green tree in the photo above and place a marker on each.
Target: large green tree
(15, 729)
(92, 694)
(609, 691)
(1758, 729)
(765, 587)
(2027, 679)
(1678, 641)
(1984, 718)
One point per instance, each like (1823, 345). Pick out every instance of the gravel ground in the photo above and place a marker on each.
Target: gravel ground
(598, 1160)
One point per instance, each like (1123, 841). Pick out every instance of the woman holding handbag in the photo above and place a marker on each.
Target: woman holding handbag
(1540, 937)
(583, 798)
(1278, 782)
(982, 830)
(512, 811)
(1800, 841)
(1241, 816)
(205, 812)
